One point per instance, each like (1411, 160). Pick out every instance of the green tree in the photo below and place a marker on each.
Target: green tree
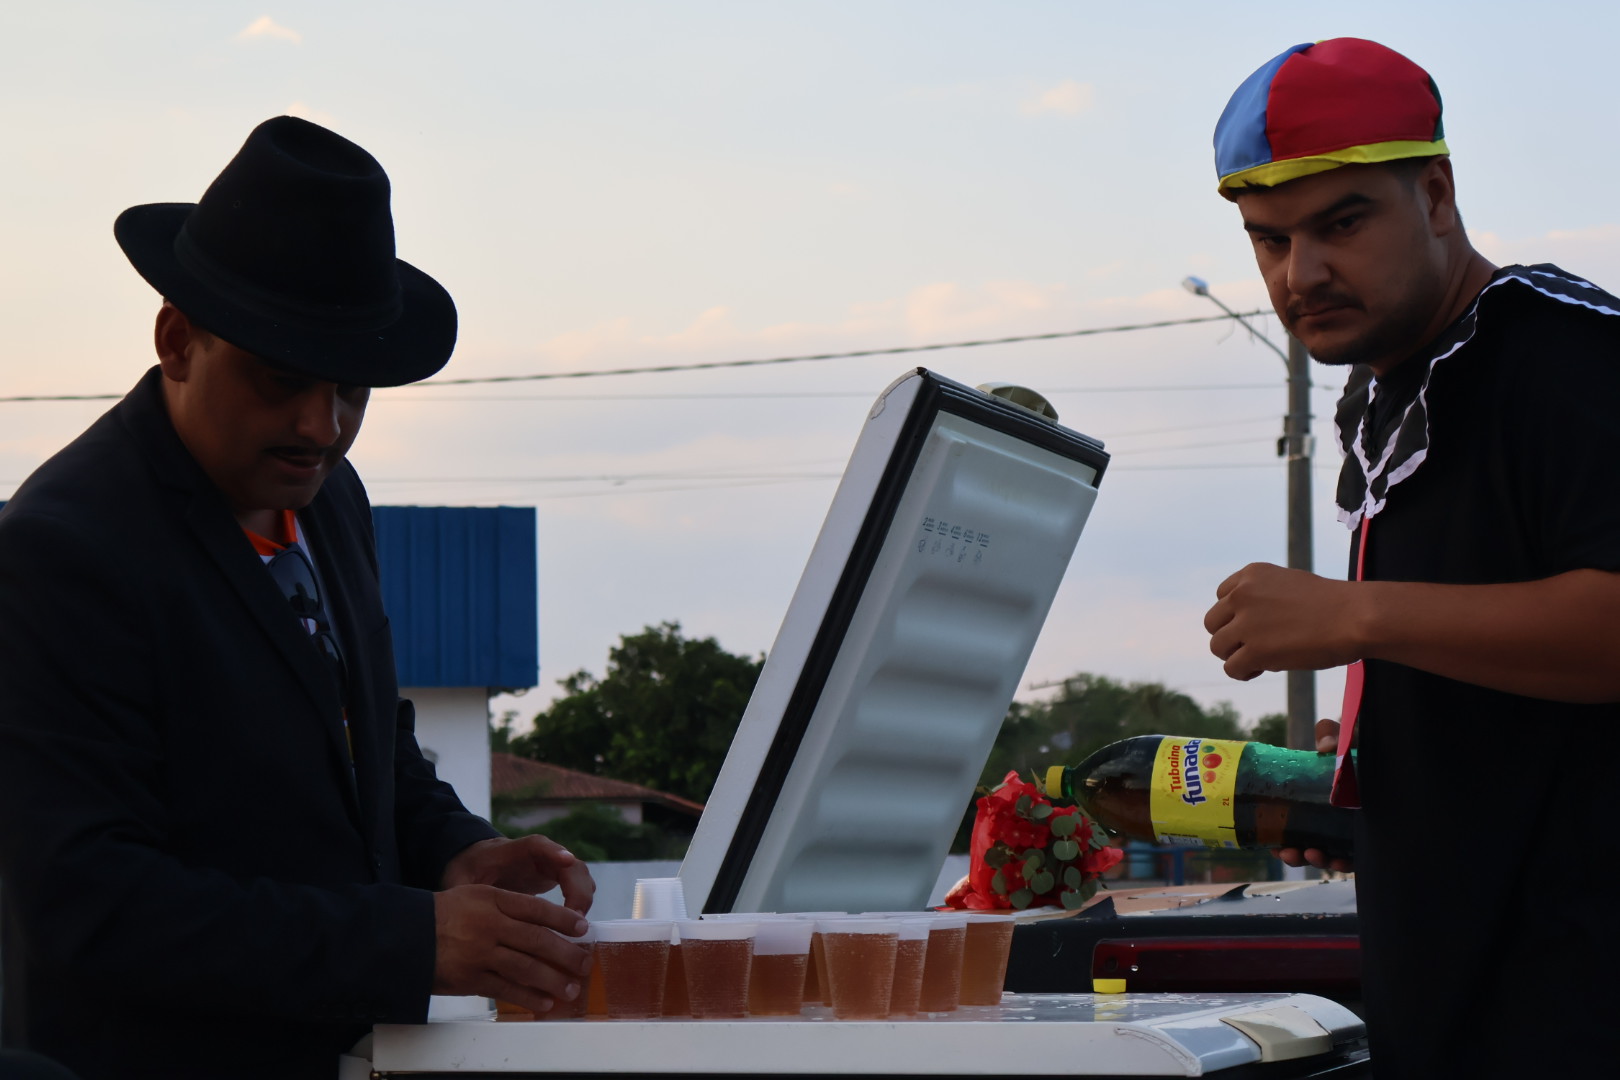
(1271, 728)
(663, 715)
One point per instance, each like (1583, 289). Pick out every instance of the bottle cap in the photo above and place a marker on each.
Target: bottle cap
(1107, 986)
(1054, 782)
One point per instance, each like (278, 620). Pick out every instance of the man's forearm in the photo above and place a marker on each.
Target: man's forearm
(1558, 638)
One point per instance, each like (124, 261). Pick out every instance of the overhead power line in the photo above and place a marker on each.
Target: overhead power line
(710, 365)
(888, 351)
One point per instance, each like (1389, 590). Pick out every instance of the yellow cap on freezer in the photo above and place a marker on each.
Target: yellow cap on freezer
(1107, 986)
(1054, 782)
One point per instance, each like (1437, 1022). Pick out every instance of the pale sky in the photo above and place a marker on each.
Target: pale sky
(623, 184)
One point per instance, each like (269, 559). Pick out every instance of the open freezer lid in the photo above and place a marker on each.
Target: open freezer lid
(899, 654)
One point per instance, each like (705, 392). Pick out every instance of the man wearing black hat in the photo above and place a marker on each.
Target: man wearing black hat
(1482, 622)
(221, 849)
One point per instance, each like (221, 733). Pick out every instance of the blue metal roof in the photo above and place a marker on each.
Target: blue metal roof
(461, 588)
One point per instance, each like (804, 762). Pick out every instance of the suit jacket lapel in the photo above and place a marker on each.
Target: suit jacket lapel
(210, 521)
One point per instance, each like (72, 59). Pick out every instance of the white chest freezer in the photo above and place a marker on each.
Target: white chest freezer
(877, 707)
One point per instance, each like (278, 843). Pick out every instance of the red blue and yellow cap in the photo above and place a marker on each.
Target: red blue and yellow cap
(1344, 101)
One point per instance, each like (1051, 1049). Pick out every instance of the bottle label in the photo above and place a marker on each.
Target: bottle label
(1194, 784)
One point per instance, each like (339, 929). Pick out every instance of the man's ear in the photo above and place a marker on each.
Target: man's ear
(173, 339)
(1439, 187)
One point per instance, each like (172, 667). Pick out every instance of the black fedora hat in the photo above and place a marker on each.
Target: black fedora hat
(289, 255)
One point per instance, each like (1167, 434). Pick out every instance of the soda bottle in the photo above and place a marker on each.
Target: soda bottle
(1218, 792)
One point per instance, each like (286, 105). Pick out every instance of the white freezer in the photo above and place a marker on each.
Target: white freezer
(909, 632)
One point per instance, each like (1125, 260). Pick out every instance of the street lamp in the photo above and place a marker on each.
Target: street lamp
(1296, 446)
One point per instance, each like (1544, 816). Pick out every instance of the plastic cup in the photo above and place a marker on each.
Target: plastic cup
(860, 965)
(718, 955)
(942, 968)
(910, 954)
(676, 1003)
(661, 898)
(579, 1008)
(631, 957)
(984, 958)
(563, 1010)
(781, 962)
(815, 972)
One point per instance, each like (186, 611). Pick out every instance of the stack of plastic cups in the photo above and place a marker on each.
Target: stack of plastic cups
(664, 899)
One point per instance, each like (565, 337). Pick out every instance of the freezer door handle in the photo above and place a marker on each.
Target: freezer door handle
(1283, 1033)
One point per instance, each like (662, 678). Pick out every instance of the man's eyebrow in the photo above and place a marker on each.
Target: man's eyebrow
(1353, 201)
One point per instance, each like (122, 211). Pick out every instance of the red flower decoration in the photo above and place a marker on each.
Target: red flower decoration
(1018, 861)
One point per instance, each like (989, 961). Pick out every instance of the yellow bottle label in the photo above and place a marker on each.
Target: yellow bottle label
(1194, 783)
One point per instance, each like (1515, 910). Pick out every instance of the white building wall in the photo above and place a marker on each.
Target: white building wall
(452, 727)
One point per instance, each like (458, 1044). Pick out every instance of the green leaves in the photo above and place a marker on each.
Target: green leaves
(1064, 825)
(1065, 850)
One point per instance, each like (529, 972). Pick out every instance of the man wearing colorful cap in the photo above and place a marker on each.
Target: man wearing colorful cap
(1481, 624)
(223, 853)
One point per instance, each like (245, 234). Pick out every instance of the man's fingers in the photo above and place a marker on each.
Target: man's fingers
(527, 909)
(1228, 585)
(1327, 736)
(504, 989)
(578, 887)
(522, 969)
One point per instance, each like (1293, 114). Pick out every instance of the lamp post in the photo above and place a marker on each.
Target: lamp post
(1296, 447)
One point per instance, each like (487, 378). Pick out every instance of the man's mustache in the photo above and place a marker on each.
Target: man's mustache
(1317, 303)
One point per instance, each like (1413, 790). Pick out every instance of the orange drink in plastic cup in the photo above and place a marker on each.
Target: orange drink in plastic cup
(860, 965)
(984, 958)
(910, 954)
(718, 955)
(631, 957)
(781, 963)
(942, 968)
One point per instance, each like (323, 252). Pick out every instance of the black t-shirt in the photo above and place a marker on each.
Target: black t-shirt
(1488, 849)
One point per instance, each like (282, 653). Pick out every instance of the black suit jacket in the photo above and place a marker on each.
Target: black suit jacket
(195, 878)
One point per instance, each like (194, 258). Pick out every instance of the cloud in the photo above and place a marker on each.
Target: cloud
(266, 27)
(944, 307)
(1067, 98)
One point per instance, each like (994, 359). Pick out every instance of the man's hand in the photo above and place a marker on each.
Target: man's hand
(507, 945)
(529, 864)
(1327, 742)
(1267, 618)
